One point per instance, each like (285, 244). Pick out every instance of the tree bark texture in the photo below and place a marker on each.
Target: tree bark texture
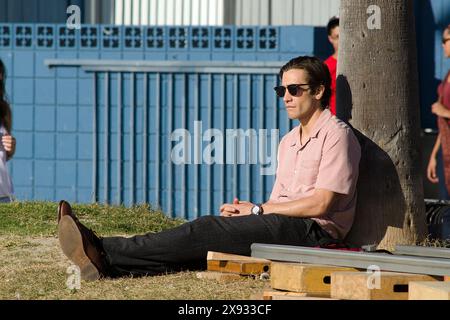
(377, 92)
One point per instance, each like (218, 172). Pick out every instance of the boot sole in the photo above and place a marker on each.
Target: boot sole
(71, 244)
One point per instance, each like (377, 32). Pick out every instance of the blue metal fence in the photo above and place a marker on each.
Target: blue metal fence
(94, 110)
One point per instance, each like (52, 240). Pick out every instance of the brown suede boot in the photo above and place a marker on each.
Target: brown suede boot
(64, 209)
(80, 244)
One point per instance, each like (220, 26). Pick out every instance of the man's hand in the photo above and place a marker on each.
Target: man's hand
(237, 208)
(440, 110)
(9, 143)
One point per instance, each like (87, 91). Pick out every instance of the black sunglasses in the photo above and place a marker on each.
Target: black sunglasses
(293, 89)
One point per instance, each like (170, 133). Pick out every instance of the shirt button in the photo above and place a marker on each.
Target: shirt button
(295, 171)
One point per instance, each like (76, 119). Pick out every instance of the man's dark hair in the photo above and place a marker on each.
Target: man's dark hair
(317, 73)
(332, 23)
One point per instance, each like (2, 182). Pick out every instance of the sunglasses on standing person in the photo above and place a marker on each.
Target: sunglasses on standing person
(293, 89)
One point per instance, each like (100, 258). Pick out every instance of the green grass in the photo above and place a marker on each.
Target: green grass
(32, 265)
(39, 218)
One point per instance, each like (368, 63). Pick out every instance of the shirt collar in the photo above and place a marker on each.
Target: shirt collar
(321, 121)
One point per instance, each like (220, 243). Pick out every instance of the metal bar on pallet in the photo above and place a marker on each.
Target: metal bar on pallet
(386, 262)
(423, 251)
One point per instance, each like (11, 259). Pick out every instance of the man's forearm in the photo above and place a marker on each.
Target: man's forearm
(309, 207)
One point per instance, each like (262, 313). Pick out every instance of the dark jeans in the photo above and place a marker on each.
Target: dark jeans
(185, 247)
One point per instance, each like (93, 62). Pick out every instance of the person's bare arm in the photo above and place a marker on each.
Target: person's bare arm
(313, 206)
(436, 146)
(432, 162)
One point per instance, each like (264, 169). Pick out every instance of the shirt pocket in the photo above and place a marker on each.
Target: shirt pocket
(308, 171)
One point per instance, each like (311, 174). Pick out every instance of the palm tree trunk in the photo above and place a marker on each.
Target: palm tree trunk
(378, 86)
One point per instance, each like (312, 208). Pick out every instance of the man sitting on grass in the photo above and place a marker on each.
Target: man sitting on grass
(312, 202)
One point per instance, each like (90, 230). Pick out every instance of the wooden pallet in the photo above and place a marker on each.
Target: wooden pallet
(213, 255)
(243, 265)
(289, 295)
(303, 278)
(429, 290)
(364, 286)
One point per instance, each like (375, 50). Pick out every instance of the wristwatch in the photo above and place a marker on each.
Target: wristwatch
(258, 209)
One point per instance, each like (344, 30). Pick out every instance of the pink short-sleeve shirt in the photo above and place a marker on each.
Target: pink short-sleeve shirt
(329, 160)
